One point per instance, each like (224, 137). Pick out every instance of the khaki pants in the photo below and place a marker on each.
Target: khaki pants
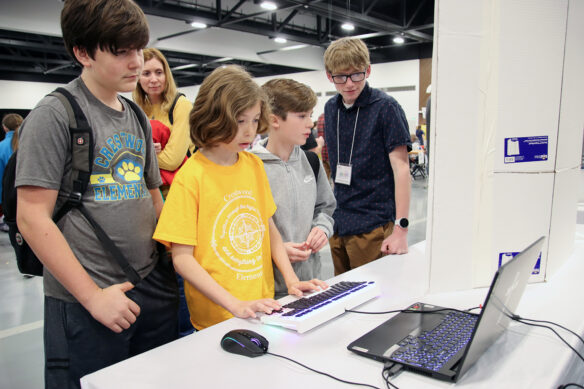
(352, 251)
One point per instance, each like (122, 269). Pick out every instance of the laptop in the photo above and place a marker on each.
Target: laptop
(444, 343)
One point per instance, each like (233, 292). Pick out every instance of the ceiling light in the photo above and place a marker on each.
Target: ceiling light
(399, 40)
(183, 67)
(223, 59)
(348, 26)
(288, 48)
(279, 39)
(293, 47)
(269, 5)
(198, 25)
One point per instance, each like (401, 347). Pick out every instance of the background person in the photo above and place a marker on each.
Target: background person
(155, 94)
(324, 150)
(10, 124)
(158, 96)
(313, 143)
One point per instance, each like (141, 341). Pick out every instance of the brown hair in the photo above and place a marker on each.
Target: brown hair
(286, 95)
(224, 95)
(346, 53)
(105, 24)
(169, 92)
(12, 121)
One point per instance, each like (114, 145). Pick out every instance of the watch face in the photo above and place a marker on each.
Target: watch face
(403, 222)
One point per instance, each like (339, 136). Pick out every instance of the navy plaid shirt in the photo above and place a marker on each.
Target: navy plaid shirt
(369, 202)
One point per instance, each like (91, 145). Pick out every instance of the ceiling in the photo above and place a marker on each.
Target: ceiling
(238, 31)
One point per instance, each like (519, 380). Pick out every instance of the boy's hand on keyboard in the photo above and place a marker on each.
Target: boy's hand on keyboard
(316, 239)
(298, 288)
(245, 309)
(297, 252)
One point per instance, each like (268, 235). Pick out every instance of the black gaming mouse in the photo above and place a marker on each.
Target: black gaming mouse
(244, 342)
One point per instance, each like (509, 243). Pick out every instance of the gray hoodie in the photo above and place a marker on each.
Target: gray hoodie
(301, 205)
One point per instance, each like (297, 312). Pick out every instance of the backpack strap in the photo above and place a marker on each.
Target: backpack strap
(314, 163)
(142, 118)
(82, 145)
(111, 247)
(171, 110)
(139, 113)
(171, 117)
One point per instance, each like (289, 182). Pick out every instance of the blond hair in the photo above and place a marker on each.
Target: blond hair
(168, 93)
(286, 95)
(224, 95)
(346, 53)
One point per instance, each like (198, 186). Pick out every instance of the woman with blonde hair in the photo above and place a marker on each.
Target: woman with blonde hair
(157, 95)
(168, 110)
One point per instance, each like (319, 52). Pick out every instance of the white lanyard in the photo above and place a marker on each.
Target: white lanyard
(354, 131)
(344, 171)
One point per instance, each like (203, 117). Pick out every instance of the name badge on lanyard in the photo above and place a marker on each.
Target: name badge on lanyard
(343, 175)
(344, 170)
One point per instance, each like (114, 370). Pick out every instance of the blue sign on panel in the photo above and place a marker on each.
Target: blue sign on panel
(506, 257)
(526, 149)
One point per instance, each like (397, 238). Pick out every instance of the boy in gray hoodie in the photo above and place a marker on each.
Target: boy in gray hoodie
(305, 203)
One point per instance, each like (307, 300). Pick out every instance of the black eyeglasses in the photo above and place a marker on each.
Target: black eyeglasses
(342, 78)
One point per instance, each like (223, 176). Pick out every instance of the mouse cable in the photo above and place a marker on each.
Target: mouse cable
(390, 369)
(522, 319)
(321, 372)
(554, 331)
(570, 384)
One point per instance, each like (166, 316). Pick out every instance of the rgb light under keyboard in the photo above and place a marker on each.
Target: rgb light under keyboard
(308, 312)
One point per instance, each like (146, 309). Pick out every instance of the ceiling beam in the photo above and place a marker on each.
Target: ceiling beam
(361, 20)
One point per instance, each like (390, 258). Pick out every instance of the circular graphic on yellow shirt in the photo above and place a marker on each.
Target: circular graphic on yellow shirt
(238, 234)
(246, 233)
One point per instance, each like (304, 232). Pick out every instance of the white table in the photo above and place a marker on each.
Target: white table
(524, 357)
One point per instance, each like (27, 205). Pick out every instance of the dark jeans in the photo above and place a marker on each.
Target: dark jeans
(185, 327)
(76, 344)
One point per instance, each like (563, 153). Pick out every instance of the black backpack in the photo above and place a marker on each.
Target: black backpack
(314, 163)
(171, 110)
(171, 118)
(82, 161)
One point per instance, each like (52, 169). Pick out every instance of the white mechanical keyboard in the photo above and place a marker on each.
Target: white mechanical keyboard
(308, 312)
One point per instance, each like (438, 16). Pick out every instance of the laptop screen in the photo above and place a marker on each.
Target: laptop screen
(416, 340)
(502, 300)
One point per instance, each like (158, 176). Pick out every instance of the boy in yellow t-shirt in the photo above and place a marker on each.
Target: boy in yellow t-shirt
(217, 217)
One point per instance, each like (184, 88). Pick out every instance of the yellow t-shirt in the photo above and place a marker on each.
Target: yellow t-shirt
(223, 212)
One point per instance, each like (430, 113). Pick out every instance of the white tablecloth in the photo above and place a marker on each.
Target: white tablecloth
(523, 357)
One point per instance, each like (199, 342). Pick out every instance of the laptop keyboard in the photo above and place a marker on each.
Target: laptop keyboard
(432, 349)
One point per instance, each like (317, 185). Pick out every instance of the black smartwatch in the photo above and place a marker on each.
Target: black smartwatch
(402, 222)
